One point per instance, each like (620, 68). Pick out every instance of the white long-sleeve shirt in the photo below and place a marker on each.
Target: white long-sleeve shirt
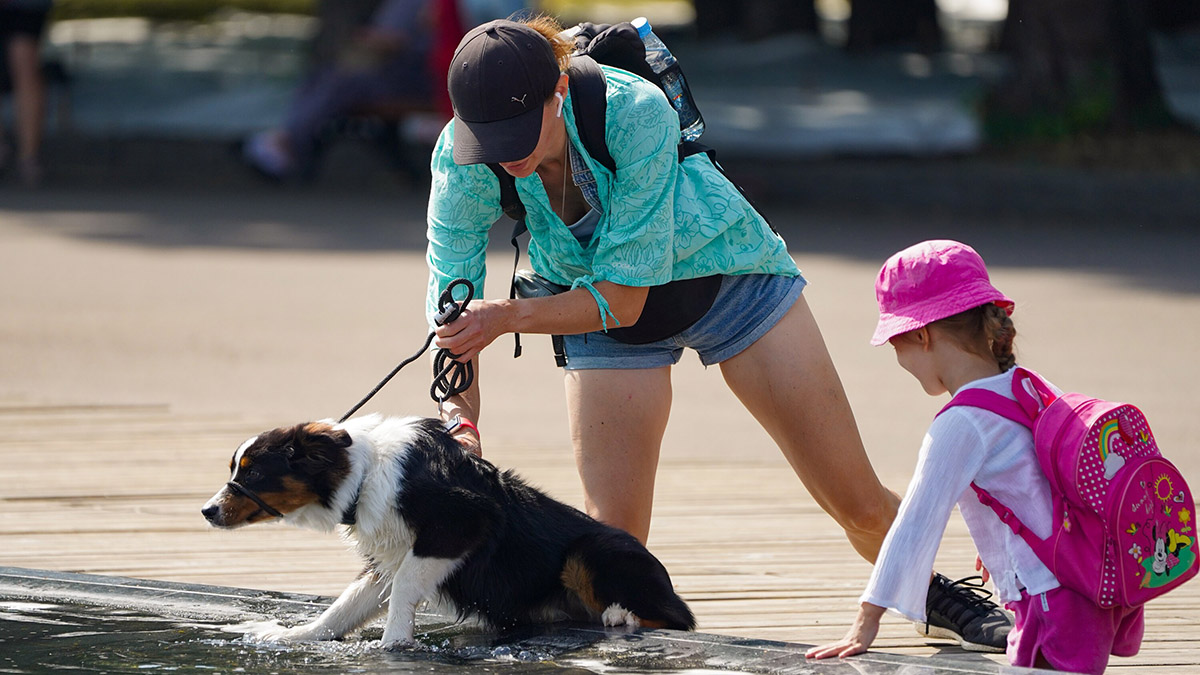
(966, 444)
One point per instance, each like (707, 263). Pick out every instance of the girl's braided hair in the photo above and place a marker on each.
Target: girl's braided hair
(986, 330)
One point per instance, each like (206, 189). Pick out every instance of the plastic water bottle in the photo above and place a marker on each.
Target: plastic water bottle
(691, 123)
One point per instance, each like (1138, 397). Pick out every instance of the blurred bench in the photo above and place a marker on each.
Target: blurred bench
(382, 126)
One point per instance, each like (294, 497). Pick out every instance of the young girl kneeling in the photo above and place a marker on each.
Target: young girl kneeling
(951, 330)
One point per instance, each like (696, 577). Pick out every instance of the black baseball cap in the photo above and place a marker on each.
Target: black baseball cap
(501, 76)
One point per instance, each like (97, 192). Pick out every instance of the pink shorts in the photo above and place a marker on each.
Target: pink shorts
(1071, 632)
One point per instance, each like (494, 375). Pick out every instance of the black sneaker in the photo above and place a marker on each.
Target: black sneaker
(962, 611)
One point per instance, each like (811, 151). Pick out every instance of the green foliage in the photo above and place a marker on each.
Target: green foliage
(1086, 107)
(173, 10)
(1091, 107)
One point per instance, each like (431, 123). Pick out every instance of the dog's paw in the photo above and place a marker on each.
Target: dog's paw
(269, 631)
(250, 628)
(399, 645)
(617, 615)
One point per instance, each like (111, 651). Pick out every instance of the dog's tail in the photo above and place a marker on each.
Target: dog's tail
(611, 571)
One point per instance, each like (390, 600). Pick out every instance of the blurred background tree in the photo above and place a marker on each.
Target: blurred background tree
(1075, 66)
(754, 19)
(1081, 67)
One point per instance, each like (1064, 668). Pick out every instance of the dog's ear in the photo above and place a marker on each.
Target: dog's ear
(323, 433)
(318, 446)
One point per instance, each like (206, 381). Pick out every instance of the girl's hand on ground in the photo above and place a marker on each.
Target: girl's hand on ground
(846, 647)
(857, 640)
(983, 570)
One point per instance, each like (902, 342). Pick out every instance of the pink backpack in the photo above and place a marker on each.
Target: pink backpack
(1123, 530)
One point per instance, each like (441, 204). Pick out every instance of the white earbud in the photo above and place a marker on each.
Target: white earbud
(558, 95)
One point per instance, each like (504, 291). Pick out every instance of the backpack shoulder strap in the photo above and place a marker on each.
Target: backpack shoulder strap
(1009, 409)
(1031, 391)
(589, 92)
(992, 402)
(588, 89)
(1042, 548)
(510, 201)
(514, 208)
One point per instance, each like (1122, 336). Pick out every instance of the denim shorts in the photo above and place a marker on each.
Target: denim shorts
(746, 307)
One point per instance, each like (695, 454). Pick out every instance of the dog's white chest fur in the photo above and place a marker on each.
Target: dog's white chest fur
(379, 534)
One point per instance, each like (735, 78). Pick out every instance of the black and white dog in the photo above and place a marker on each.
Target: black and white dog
(435, 522)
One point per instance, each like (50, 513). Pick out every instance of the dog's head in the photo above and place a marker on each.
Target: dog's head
(281, 471)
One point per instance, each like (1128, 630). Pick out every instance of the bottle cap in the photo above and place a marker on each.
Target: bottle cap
(642, 25)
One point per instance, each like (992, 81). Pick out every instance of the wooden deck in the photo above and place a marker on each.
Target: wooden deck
(117, 490)
(133, 321)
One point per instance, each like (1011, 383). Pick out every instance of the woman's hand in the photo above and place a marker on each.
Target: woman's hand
(477, 327)
(567, 313)
(857, 640)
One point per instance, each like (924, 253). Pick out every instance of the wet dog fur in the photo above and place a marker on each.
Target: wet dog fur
(435, 522)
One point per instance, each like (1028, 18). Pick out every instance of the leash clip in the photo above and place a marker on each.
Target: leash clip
(458, 422)
(448, 308)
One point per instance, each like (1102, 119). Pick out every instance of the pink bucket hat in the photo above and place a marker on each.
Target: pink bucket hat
(929, 281)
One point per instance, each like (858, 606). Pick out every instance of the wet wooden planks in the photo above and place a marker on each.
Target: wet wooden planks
(117, 490)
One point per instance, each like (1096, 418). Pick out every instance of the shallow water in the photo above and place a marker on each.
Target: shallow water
(37, 637)
(61, 621)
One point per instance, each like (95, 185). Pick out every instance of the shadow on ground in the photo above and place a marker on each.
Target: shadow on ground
(1141, 228)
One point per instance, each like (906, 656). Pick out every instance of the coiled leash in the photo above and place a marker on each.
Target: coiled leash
(450, 377)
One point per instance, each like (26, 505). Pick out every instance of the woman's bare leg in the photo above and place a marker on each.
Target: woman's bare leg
(788, 382)
(618, 418)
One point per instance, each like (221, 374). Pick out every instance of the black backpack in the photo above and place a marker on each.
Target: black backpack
(672, 307)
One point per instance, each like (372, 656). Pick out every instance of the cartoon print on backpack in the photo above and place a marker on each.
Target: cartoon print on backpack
(1110, 432)
(1165, 550)
(1169, 546)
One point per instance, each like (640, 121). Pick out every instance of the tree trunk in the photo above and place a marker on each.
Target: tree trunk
(754, 19)
(1171, 16)
(716, 18)
(878, 23)
(1078, 66)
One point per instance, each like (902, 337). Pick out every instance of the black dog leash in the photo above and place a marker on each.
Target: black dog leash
(450, 377)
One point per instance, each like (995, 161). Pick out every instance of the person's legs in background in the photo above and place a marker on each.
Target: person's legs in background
(23, 53)
(327, 95)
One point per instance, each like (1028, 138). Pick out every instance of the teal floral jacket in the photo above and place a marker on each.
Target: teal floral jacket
(664, 219)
